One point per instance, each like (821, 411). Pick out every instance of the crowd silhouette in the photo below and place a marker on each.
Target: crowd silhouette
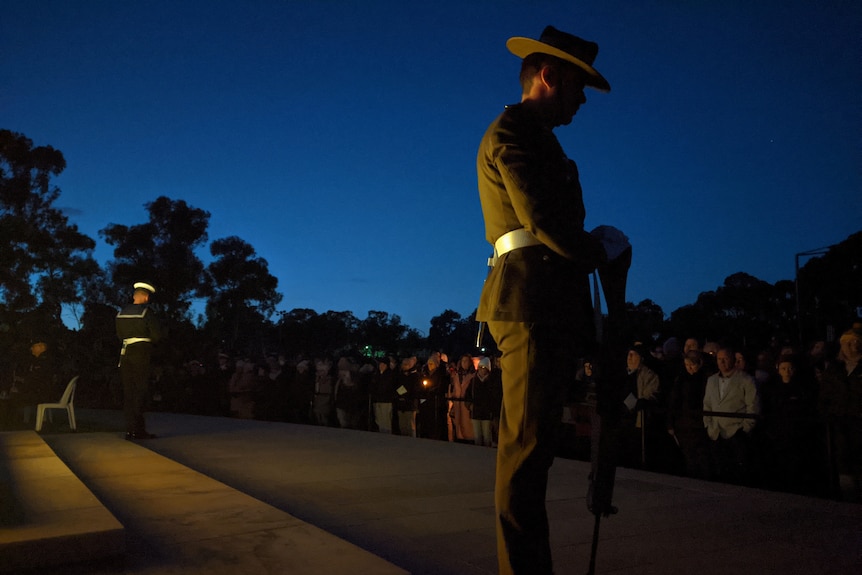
(782, 417)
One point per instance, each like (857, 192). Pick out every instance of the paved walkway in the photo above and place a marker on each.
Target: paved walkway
(417, 506)
(47, 515)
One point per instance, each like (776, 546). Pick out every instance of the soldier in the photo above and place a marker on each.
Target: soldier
(138, 330)
(536, 299)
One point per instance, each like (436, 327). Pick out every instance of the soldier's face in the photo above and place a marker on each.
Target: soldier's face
(570, 93)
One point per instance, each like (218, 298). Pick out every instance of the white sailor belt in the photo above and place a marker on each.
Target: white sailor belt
(131, 340)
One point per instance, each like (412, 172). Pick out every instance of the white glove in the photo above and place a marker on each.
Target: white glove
(614, 241)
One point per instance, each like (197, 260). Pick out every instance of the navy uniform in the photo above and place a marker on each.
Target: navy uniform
(138, 329)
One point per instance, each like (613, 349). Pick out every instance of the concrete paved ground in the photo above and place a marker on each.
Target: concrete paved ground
(180, 521)
(423, 506)
(47, 515)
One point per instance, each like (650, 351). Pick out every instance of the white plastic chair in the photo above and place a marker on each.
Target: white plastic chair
(66, 402)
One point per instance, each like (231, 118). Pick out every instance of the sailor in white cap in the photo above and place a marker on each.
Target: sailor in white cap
(138, 329)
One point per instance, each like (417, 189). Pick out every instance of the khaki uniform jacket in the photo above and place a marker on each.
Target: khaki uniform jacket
(526, 181)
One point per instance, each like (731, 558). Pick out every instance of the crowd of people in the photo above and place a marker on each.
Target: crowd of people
(782, 418)
(435, 398)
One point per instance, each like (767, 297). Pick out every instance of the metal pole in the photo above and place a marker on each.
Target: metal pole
(595, 548)
(643, 439)
(798, 314)
(833, 485)
(436, 431)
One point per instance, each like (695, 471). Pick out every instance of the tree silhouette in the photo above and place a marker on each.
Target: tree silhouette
(162, 252)
(744, 310)
(46, 265)
(382, 332)
(456, 335)
(646, 319)
(830, 288)
(43, 258)
(442, 327)
(240, 290)
(304, 331)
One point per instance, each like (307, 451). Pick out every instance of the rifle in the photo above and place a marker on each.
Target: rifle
(604, 440)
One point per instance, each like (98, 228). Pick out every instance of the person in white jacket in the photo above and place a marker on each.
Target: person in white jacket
(730, 391)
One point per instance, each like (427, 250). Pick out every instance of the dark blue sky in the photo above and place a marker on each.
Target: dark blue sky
(339, 138)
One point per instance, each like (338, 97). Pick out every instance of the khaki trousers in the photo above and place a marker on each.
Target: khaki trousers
(538, 361)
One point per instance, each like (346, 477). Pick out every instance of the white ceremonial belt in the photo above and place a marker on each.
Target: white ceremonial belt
(514, 240)
(129, 341)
